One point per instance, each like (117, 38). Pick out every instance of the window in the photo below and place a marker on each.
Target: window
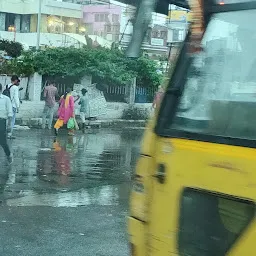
(89, 28)
(154, 34)
(163, 34)
(103, 17)
(181, 35)
(211, 223)
(115, 18)
(9, 21)
(116, 29)
(178, 35)
(116, 38)
(25, 23)
(97, 17)
(107, 28)
(219, 96)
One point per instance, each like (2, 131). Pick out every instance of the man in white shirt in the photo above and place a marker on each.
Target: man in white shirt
(14, 96)
(6, 113)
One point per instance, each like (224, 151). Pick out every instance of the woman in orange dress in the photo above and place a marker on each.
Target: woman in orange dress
(65, 111)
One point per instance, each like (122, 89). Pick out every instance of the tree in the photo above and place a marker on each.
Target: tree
(110, 67)
(22, 66)
(13, 49)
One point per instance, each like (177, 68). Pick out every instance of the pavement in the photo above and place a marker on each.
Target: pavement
(67, 196)
(111, 123)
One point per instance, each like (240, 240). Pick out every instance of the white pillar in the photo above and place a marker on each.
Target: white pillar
(39, 24)
(2, 21)
(130, 91)
(35, 87)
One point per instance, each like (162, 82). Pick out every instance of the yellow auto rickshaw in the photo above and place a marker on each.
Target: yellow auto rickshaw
(194, 189)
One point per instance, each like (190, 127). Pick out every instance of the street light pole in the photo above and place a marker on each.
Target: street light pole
(39, 24)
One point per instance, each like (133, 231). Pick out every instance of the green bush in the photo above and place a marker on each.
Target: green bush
(13, 49)
(134, 113)
(108, 66)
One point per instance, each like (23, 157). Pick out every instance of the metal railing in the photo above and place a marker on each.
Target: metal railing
(118, 94)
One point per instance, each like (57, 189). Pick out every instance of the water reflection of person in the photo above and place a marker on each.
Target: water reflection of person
(44, 159)
(55, 162)
(62, 159)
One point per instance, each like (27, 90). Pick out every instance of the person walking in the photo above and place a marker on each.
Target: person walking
(6, 113)
(13, 90)
(65, 112)
(84, 109)
(158, 98)
(76, 101)
(50, 94)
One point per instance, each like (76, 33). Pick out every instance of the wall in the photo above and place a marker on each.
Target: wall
(34, 109)
(62, 9)
(29, 39)
(30, 109)
(34, 84)
(48, 7)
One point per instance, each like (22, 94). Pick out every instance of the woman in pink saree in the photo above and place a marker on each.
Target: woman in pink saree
(65, 111)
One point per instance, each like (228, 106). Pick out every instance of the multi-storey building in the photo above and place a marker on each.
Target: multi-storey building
(18, 20)
(103, 20)
(57, 16)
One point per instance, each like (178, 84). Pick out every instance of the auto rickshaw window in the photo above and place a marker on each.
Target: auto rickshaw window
(209, 224)
(219, 96)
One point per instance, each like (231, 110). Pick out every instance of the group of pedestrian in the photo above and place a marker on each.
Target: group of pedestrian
(10, 104)
(66, 110)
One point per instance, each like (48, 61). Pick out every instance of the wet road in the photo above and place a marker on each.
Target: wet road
(67, 196)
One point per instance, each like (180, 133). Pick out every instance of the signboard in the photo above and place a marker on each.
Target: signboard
(179, 15)
(97, 101)
(157, 41)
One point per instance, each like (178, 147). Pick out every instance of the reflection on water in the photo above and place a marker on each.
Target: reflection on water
(105, 195)
(88, 169)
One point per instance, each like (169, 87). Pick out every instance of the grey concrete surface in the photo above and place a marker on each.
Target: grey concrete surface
(67, 196)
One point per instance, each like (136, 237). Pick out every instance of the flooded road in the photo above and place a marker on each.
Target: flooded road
(67, 196)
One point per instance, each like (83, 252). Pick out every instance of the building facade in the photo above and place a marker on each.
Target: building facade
(155, 42)
(178, 22)
(103, 20)
(57, 17)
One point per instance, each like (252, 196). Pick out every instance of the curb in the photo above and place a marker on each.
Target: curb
(115, 123)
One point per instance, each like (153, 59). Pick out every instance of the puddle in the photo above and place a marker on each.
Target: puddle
(91, 169)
